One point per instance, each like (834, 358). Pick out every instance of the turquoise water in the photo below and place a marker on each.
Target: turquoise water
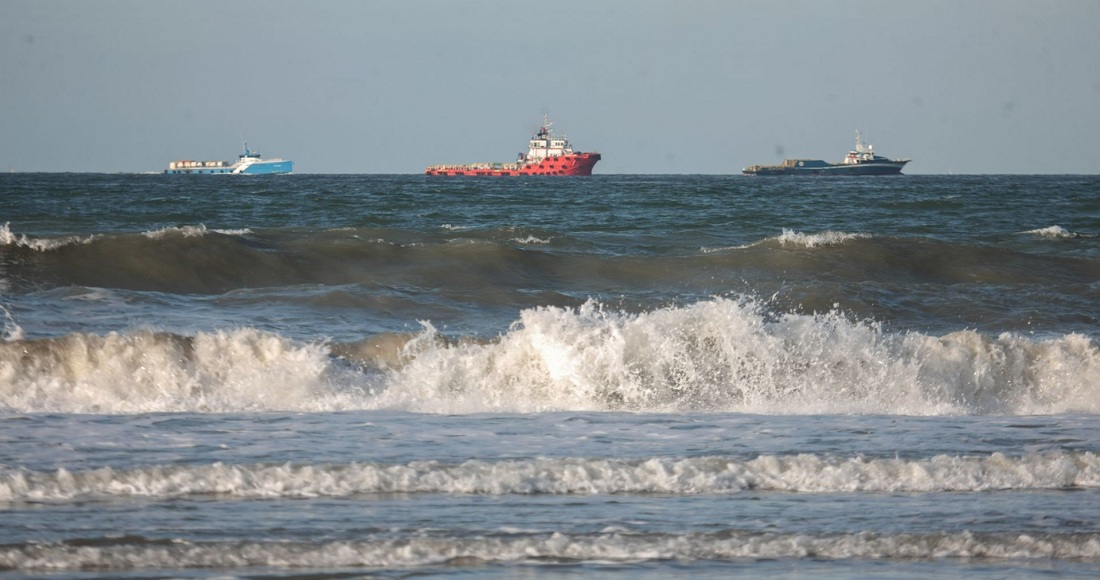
(391, 376)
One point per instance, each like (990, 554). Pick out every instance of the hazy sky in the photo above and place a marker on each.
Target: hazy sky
(656, 86)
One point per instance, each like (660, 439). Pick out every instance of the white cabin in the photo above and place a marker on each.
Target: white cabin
(545, 144)
(862, 153)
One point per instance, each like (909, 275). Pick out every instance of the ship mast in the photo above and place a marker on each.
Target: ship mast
(546, 129)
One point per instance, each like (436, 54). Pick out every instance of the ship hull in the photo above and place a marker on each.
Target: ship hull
(573, 164)
(821, 168)
(269, 168)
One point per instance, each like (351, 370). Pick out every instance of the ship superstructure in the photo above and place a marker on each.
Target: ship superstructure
(547, 154)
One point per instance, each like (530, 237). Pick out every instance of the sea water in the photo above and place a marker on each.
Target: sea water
(308, 376)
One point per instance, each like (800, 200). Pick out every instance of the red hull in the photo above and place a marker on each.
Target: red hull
(573, 164)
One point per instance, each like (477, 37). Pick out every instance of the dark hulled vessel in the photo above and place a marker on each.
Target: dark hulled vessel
(859, 161)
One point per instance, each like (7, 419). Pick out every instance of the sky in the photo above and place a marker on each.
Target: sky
(655, 86)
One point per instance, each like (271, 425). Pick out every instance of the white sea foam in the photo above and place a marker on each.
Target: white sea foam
(715, 355)
(233, 232)
(1053, 232)
(192, 232)
(239, 370)
(9, 238)
(706, 250)
(794, 238)
(725, 355)
(531, 240)
(805, 473)
(477, 550)
(828, 238)
(12, 331)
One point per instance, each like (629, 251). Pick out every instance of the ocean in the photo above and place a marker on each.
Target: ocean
(399, 376)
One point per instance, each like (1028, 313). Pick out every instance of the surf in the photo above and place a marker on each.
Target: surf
(716, 355)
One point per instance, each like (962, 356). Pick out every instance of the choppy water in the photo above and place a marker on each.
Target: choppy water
(391, 376)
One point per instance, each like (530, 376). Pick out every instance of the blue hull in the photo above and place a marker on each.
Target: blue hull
(268, 168)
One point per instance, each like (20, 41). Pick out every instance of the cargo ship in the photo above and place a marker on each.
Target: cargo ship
(248, 163)
(548, 154)
(860, 161)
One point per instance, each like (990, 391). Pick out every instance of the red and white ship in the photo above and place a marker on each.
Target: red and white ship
(549, 155)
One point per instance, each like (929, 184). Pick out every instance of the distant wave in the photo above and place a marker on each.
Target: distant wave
(805, 473)
(792, 238)
(9, 238)
(1056, 232)
(714, 355)
(198, 260)
(192, 231)
(476, 550)
(828, 238)
(531, 240)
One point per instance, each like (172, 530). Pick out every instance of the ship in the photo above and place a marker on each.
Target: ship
(859, 161)
(248, 163)
(549, 154)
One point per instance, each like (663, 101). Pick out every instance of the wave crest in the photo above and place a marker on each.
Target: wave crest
(9, 238)
(724, 355)
(474, 550)
(191, 232)
(804, 473)
(827, 238)
(225, 371)
(1057, 232)
(719, 355)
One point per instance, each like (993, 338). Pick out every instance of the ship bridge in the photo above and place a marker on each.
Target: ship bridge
(545, 144)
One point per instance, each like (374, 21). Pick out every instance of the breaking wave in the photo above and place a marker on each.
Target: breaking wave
(1058, 232)
(192, 231)
(715, 355)
(724, 355)
(477, 550)
(1052, 232)
(804, 473)
(9, 238)
(241, 370)
(828, 238)
(792, 238)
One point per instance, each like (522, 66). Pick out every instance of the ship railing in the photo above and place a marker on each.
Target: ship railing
(188, 164)
(474, 166)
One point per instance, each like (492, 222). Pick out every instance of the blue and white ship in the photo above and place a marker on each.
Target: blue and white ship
(248, 163)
